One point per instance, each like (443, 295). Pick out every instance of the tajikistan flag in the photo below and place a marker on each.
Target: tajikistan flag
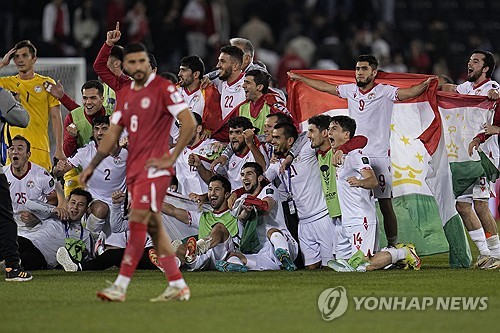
(422, 185)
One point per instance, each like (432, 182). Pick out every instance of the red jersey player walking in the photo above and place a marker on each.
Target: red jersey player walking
(146, 108)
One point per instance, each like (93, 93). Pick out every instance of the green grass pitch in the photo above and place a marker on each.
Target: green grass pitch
(56, 301)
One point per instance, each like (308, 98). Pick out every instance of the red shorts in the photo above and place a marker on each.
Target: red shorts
(148, 194)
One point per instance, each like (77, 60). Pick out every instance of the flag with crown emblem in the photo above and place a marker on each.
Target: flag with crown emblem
(422, 183)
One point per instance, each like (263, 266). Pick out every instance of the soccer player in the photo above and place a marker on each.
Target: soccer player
(146, 107)
(38, 249)
(355, 180)
(246, 148)
(260, 205)
(370, 104)
(108, 177)
(218, 229)
(478, 220)
(40, 105)
(230, 80)
(14, 114)
(203, 101)
(27, 181)
(302, 184)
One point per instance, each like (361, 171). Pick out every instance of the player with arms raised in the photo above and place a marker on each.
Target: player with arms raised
(146, 107)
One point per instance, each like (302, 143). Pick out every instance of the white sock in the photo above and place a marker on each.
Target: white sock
(122, 281)
(279, 241)
(494, 246)
(180, 283)
(235, 260)
(396, 254)
(178, 262)
(95, 224)
(479, 239)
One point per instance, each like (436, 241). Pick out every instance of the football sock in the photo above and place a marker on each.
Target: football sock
(279, 241)
(122, 281)
(494, 246)
(479, 239)
(93, 223)
(134, 250)
(172, 271)
(396, 254)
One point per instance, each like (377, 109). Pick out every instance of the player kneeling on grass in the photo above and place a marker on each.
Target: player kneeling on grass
(218, 229)
(273, 247)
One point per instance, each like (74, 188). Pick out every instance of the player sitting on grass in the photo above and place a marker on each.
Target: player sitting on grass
(218, 229)
(259, 209)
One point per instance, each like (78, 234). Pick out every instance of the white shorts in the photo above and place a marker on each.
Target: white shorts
(207, 260)
(382, 168)
(481, 190)
(357, 237)
(337, 222)
(266, 260)
(316, 240)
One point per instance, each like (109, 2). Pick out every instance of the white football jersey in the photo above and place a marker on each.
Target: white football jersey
(232, 169)
(356, 203)
(196, 103)
(372, 111)
(304, 178)
(490, 146)
(188, 177)
(51, 235)
(275, 217)
(231, 94)
(108, 177)
(36, 184)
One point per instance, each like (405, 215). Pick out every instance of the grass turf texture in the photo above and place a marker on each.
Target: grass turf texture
(56, 301)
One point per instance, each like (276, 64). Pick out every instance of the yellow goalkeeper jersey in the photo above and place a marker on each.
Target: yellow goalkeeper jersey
(37, 102)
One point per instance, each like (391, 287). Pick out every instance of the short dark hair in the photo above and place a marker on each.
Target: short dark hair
(237, 122)
(194, 63)
(116, 52)
(346, 123)
(80, 191)
(245, 43)
(152, 61)
(22, 138)
(134, 48)
(100, 120)
(370, 59)
(289, 130)
(282, 117)
(170, 76)
(234, 52)
(321, 121)
(256, 166)
(260, 77)
(226, 184)
(197, 117)
(489, 61)
(93, 84)
(26, 43)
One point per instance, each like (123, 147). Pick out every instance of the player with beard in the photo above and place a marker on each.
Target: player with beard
(276, 247)
(477, 217)
(246, 148)
(203, 101)
(146, 107)
(370, 104)
(218, 229)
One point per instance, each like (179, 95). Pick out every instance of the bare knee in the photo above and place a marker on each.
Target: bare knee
(463, 208)
(99, 209)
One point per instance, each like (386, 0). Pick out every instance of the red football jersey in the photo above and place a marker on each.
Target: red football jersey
(147, 114)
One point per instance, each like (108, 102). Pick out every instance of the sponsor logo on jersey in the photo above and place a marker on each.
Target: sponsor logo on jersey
(38, 89)
(176, 97)
(145, 102)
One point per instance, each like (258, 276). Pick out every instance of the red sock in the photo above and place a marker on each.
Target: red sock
(168, 263)
(135, 248)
